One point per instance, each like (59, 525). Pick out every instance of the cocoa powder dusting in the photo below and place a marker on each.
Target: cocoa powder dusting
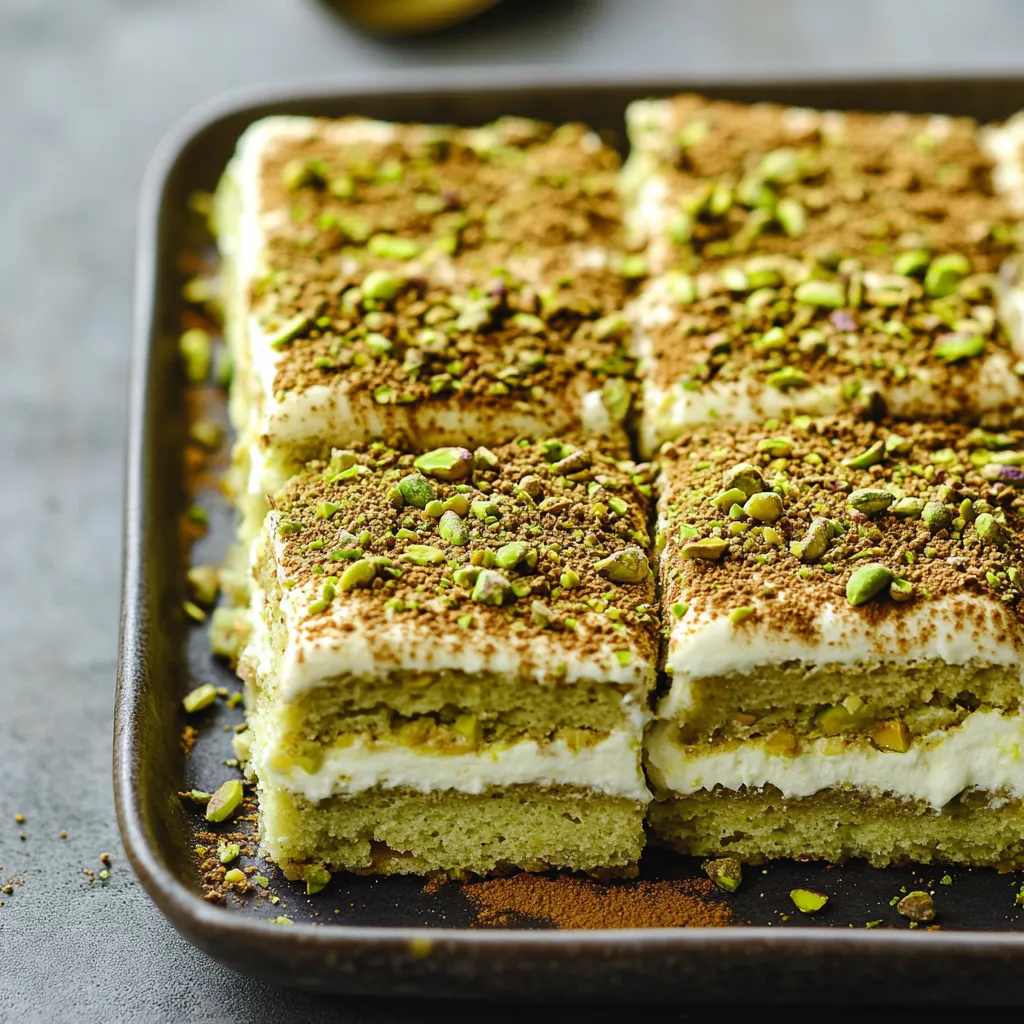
(574, 903)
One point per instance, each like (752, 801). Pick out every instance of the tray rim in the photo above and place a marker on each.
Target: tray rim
(185, 909)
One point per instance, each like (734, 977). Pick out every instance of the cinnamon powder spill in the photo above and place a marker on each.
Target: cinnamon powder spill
(574, 903)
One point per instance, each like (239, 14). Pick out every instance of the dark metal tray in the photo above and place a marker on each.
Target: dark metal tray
(391, 937)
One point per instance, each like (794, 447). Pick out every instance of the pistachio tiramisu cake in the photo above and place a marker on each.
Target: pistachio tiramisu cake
(424, 284)
(817, 262)
(451, 661)
(843, 603)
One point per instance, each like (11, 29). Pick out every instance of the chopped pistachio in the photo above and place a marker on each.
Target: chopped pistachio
(867, 582)
(945, 273)
(227, 852)
(815, 542)
(901, 590)
(569, 579)
(725, 872)
(787, 377)
(225, 802)
(423, 554)
(871, 456)
(508, 556)
(738, 615)
(829, 294)
(449, 464)
(917, 906)
(193, 611)
(892, 735)
(908, 508)
(359, 574)
(491, 588)
(485, 509)
(679, 609)
(288, 331)
(392, 247)
(765, 507)
(200, 698)
(990, 530)
(792, 216)
(381, 286)
(626, 566)
(317, 879)
(807, 901)
(452, 529)
(417, 490)
(724, 500)
(204, 581)
(869, 500)
(961, 345)
(743, 477)
(937, 516)
(708, 549)
(196, 351)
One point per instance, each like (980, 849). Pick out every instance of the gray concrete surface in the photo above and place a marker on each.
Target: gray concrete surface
(87, 87)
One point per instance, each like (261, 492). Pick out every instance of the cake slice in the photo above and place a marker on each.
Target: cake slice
(844, 657)
(711, 180)
(423, 284)
(774, 335)
(451, 662)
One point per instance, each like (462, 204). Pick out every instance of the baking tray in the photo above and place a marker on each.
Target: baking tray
(394, 936)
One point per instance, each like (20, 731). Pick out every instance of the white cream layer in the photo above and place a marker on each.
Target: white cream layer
(611, 767)
(983, 752)
(703, 643)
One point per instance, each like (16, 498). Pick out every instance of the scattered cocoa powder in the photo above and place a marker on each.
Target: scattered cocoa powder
(574, 903)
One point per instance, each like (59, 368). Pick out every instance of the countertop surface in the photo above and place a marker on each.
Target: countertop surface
(87, 91)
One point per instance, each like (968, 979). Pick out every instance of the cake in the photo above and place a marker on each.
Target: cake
(710, 180)
(818, 262)
(451, 661)
(776, 335)
(843, 605)
(426, 285)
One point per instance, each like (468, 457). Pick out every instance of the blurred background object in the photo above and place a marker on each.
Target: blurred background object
(408, 17)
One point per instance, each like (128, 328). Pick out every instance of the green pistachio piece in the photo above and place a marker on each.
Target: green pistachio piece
(392, 247)
(225, 802)
(815, 542)
(901, 590)
(457, 503)
(227, 852)
(205, 582)
(484, 509)
(871, 456)
(416, 490)
(772, 340)
(918, 906)
(807, 901)
(201, 697)
(196, 350)
(317, 879)
(787, 377)
(629, 565)
(725, 872)
(466, 576)
(508, 556)
(709, 549)
(782, 165)
(734, 279)
(541, 615)
(327, 509)
(937, 516)
(990, 530)
(945, 273)
(765, 507)
(745, 478)
(681, 287)
(829, 294)
(289, 331)
(908, 508)
(448, 464)
(452, 529)
(911, 263)
(359, 574)
(491, 588)
(423, 554)
(724, 500)
(381, 286)
(792, 217)
(741, 614)
(574, 462)
(484, 458)
(633, 266)
(868, 500)
(954, 347)
(867, 582)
